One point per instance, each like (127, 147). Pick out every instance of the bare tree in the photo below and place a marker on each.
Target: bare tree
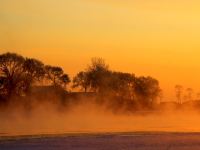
(98, 64)
(97, 71)
(189, 93)
(179, 89)
(160, 96)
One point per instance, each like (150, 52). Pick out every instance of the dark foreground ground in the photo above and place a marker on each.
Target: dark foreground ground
(123, 141)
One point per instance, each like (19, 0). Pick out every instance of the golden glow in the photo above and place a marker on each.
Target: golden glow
(157, 38)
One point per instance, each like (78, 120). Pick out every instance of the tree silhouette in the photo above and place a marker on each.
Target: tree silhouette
(98, 64)
(64, 80)
(144, 90)
(11, 71)
(147, 90)
(122, 84)
(81, 80)
(179, 89)
(34, 72)
(97, 72)
(56, 76)
(18, 75)
(160, 96)
(190, 92)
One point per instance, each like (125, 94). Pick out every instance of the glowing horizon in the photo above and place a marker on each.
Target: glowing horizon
(153, 38)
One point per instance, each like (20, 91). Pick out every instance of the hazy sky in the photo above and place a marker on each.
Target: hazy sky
(146, 37)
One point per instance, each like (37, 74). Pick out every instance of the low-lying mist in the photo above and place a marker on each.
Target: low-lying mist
(89, 117)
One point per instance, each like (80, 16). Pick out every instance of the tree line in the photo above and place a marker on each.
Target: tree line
(184, 95)
(19, 74)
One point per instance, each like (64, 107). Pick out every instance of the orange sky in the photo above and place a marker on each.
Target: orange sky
(157, 38)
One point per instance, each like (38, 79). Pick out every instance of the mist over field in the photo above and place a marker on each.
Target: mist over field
(86, 126)
(99, 75)
(90, 117)
(41, 99)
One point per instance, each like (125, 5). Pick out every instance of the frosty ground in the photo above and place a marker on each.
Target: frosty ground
(119, 141)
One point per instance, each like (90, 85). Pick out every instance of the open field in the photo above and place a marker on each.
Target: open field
(118, 141)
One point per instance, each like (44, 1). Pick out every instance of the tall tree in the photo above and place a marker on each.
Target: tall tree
(11, 71)
(146, 89)
(98, 70)
(189, 93)
(160, 96)
(34, 72)
(179, 89)
(122, 84)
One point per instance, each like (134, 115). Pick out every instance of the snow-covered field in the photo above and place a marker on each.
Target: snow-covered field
(123, 141)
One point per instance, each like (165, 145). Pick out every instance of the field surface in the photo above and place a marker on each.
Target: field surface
(118, 141)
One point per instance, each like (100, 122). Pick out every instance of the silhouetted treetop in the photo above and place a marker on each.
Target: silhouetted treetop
(97, 72)
(18, 74)
(56, 76)
(34, 68)
(11, 71)
(64, 80)
(98, 64)
(99, 78)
